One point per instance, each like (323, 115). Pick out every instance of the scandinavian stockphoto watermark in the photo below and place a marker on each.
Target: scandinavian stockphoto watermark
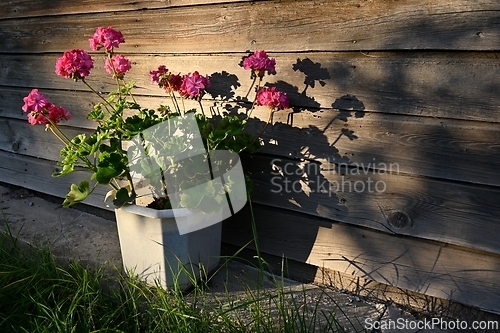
(170, 158)
(404, 324)
(290, 177)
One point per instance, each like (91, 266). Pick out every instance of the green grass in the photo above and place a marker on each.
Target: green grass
(40, 294)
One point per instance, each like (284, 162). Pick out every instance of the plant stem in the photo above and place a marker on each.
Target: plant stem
(271, 112)
(201, 107)
(256, 240)
(261, 132)
(253, 82)
(98, 94)
(172, 96)
(255, 99)
(56, 134)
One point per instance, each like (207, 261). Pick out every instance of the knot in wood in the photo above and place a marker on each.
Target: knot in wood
(399, 220)
(15, 146)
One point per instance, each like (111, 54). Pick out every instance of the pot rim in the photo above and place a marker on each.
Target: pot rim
(155, 213)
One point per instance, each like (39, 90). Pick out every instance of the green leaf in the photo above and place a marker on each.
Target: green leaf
(127, 88)
(191, 200)
(97, 113)
(66, 168)
(111, 165)
(104, 175)
(123, 197)
(77, 193)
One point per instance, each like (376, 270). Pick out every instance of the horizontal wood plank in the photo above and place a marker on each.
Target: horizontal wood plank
(18, 136)
(458, 86)
(34, 174)
(435, 269)
(439, 148)
(329, 26)
(442, 211)
(31, 8)
(448, 149)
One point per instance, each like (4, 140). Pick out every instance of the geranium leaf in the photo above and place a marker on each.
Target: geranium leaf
(123, 197)
(77, 193)
(105, 174)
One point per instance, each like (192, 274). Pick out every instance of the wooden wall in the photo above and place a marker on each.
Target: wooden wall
(403, 94)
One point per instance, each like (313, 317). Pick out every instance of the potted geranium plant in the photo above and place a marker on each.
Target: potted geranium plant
(141, 152)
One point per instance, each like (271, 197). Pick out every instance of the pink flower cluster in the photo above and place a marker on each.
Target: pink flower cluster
(41, 111)
(259, 62)
(194, 85)
(274, 99)
(160, 76)
(190, 85)
(118, 65)
(107, 38)
(166, 80)
(75, 64)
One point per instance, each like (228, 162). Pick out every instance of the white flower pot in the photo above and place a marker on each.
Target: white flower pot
(152, 247)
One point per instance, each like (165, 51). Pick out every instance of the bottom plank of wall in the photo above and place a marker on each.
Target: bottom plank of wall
(431, 268)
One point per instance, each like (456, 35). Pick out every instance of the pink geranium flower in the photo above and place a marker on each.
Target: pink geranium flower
(75, 64)
(174, 83)
(41, 111)
(166, 80)
(57, 113)
(35, 101)
(156, 76)
(118, 65)
(193, 85)
(274, 99)
(108, 38)
(259, 62)
(35, 118)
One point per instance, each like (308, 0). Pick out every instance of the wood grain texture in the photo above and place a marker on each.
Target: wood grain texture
(18, 136)
(307, 25)
(442, 211)
(339, 189)
(427, 267)
(439, 148)
(447, 85)
(459, 150)
(34, 174)
(31, 8)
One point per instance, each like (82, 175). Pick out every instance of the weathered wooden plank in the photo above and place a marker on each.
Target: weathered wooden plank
(307, 25)
(458, 86)
(435, 269)
(79, 103)
(443, 211)
(18, 136)
(449, 149)
(440, 148)
(31, 8)
(34, 174)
